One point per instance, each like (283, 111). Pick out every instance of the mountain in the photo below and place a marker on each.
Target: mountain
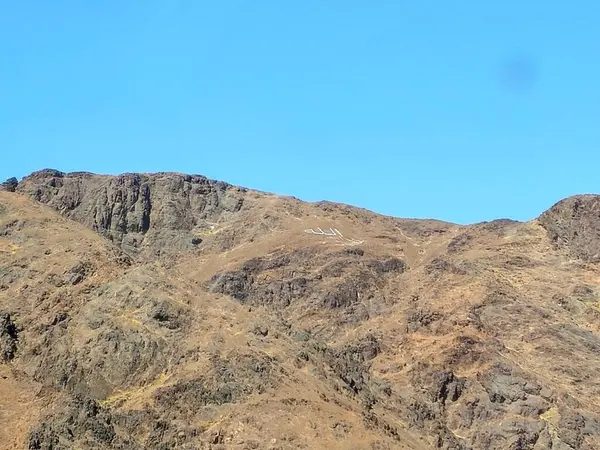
(159, 311)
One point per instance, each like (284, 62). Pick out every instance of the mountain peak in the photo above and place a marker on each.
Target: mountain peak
(574, 223)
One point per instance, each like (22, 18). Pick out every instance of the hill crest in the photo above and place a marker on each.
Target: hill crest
(162, 310)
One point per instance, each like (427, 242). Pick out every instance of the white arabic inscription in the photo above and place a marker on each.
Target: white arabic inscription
(333, 232)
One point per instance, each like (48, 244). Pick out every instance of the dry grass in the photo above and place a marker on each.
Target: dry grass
(216, 326)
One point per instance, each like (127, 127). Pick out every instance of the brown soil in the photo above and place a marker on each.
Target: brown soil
(155, 311)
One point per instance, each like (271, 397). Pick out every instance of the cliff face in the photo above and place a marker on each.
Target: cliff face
(574, 224)
(171, 311)
(140, 213)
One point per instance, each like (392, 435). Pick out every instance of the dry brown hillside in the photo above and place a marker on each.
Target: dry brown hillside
(163, 311)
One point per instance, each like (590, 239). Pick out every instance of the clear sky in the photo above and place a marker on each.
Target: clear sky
(464, 111)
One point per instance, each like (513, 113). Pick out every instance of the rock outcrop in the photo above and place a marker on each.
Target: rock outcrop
(8, 337)
(574, 224)
(158, 213)
(10, 185)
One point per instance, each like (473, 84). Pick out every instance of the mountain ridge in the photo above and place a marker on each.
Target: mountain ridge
(169, 310)
(12, 183)
(57, 173)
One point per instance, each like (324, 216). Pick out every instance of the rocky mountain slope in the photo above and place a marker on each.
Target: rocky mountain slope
(159, 311)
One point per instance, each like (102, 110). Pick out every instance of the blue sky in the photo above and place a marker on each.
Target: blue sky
(463, 111)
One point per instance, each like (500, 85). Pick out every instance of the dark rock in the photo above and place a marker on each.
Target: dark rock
(9, 337)
(496, 225)
(127, 207)
(350, 363)
(83, 424)
(574, 224)
(532, 407)
(519, 262)
(355, 251)
(243, 286)
(301, 359)
(78, 273)
(268, 281)
(60, 318)
(217, 437)
(166, 316)
(111, 357)
(46, 173)
(459, 242)
(231, 380)
(7, 228)
(503, 386)
(344, 295)
(260, 330)
(389, 265)
(466, 350)
(438, 266)
(43, 437)
(511, 434)
(392, 239)
(75, 278)
(237, 284)
(421, 319)
(197, 393)
(446, 387)
(10, 185)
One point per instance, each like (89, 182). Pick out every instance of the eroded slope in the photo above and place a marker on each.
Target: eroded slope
(236, 326)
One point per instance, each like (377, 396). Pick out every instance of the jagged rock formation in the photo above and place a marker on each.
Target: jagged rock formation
(8, 337)
(574, 223)
(153, 212)
(158, 311)
(10, 185)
